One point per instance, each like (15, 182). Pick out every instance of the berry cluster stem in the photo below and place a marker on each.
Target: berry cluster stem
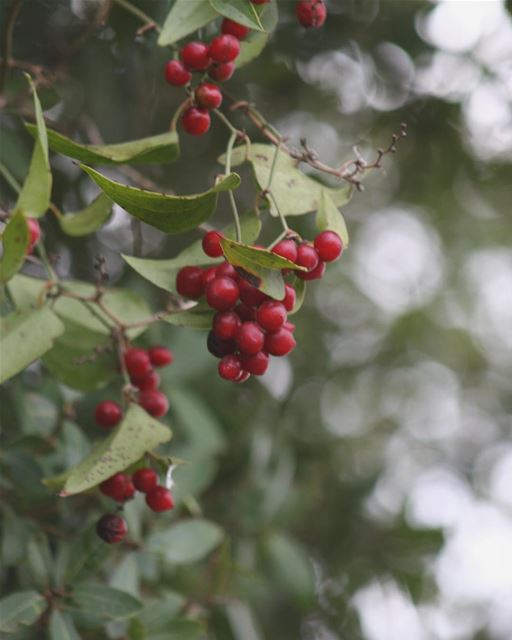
(138, 13)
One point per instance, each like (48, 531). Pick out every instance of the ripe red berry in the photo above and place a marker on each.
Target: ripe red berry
(311, 13)
(137, 362)
(249, 338)
(211, 244)
(129, 490)
(289, 297)
(286, 249)
(221, 72)
(218, 347)
(314, 274)
(160, 499)
(245, 312)
(177, 74)
(145, 480)
(226, 324)
(227, 270)
(208, 96)
(230, 367)
(249, 295)
(208, 275)
(195, 121)
(256, 364)
(189, 282)
(195, 56)
(115, 487)
(111, 528)
(307, 256)
(222, 293)
(108, 413)
(160, 356)
(232, 28)
(154, 402)
(328, 245)
(34, 233)
(279, 343)
(224, 48)
(150, 381)
(271, 315)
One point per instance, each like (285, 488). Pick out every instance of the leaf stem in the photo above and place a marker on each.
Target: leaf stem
(177, 114)
(229, 152)
(9, 178)
(138, 13)
(228, 124)
(279, 212)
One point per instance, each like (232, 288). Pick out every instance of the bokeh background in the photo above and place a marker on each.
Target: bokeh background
(365, 481)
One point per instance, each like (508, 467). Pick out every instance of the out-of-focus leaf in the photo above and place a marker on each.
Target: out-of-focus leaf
(15, 536)
(187, 541)
(137, 433)
(300, 294)
(82, 558)
(180, 629)
(62, 627)
(171, 214)
(241, 11)
(200, 318)
(290, 566)
(20, 609)
(126, 576)
(253, 45)
(15, 242)
(158, 614)
(40, 560)
(105, 603)
(184, 18)
(89, 219)
(328, 217)
(75, 443)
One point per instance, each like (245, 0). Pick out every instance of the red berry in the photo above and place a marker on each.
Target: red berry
(222, 293)
(145, 480)
(311, 13)
(286, 249)
(137, 362)
(230, 367)
(328, 245)
(211, 244)
(289, 297)
(189, 282)
(256, 364)
(176, 73)
(108, 413)
(195, 56)
(221, 72)
(208, 275)
(249, 295)
(159, 499)
(154, 402)
(224, 48)
(160, 356)
(149, 382)
(289, 326)
(243, 377)
(226, 324)
(115, 487)
(307, 256)
(34, 233)
(208, 96)
(280, 343)
(195, 121)
(245, 312)
(271, 315)
(111, 528)
(129, 490)
(227, 270)
(249, 338)
(217, 347)
(314, 274)
(232, 28)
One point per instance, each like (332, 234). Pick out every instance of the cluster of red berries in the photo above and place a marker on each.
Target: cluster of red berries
(120, 487)
(249, 326)
(140, 365)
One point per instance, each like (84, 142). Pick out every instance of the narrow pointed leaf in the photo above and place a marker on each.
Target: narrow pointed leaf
(241, 11)
(158, 614)
(186, 542)
(253, 45)
(105, 603)
(171, 214)
(184, 18)
(180, 629)
(300, 294)
(62, 627)
(137, 433)
(20, 609)
(15, 241)
(328, 217)
(200, 318)
(89, 219)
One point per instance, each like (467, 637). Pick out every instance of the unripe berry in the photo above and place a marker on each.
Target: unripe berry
(227, 270)
(289, 297)
(154, 402)
(160, 499)
(195, 121)
(195, 56)
(271, 315)
(221, 72)
(145, 480)
(250, 295)
(222, 293)
(160, 356)
(306, 256)
(230, 367)
(249, 338)
(137, 362)
(224, 48)
(219, 348)
(115, 487)
(232, 28)
(150, 381)
(286, 249)
(314, 274)
(311, 13)
(328, 245)
(208, 96)
(177, 74)
(279, 343)
(211, 244)
(34, 233)
(226, 324)
(189, 282)
(256, 364)
(108, 413)
(111, 528)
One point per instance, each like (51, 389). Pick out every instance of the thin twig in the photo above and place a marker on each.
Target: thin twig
(138, 13)
(12, 15)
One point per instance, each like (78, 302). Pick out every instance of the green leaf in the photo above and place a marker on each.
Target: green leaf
(158, 614)
(34, 197)
(300, 294)
(160, 149)
(290, 566)
(82, 558)
(20, 609)
(40, 561)
(89, 219)
(137, 433)
(162, 273)
(24, 337)
(181, 629)
(256, 41)
(184, 18)
(171, 214)
(15, 241)
(62, 627)
(104, 602)
(196, 318)
(328, 217)
(295, 192)
(126, 577)
(241, 11)
(187, 541)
